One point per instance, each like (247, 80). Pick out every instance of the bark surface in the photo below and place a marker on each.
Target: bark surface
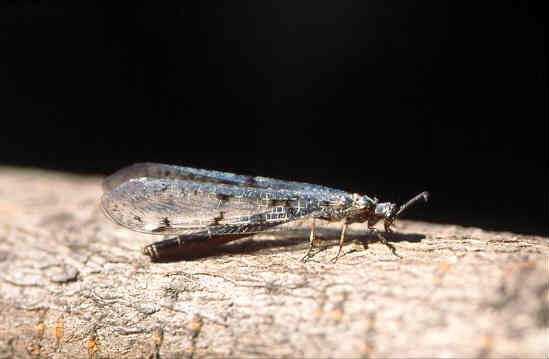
(72, 284)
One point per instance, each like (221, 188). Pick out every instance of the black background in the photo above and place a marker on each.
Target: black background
(377, 97)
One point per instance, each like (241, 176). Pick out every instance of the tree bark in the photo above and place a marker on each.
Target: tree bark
(72, 284)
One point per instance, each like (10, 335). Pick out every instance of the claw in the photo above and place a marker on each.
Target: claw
(306, 257)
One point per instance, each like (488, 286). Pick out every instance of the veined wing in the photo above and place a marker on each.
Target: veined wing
(164, 171)
(175, 206)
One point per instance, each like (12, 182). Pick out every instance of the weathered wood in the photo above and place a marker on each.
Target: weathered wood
(74, 285)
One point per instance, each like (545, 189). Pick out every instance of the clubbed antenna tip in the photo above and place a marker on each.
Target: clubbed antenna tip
(423, 195)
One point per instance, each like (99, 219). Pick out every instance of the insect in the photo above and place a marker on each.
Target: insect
(197, 204)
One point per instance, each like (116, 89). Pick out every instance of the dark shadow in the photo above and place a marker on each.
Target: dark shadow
(402, 237)
(294, 240)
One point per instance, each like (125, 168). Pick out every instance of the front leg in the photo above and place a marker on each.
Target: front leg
(383, 240)
(387, 226)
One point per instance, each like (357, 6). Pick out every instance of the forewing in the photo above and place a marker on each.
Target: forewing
(164, 171)
(174, 206)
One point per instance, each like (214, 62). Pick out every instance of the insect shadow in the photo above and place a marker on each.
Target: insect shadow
(284, 242)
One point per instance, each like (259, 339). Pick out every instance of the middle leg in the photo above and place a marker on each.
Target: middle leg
(341, 241)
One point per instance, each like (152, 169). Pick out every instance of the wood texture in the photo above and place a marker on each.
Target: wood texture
(72, 284)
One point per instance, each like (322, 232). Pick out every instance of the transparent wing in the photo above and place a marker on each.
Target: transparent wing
(164, 171)
(175, 206)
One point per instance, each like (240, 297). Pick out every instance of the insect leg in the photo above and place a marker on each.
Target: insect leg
(312, 238)
(341, 240)
(383, 240)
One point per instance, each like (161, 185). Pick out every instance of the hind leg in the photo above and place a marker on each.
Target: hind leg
(313, 242)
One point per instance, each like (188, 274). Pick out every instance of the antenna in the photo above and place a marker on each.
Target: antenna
(423, 195)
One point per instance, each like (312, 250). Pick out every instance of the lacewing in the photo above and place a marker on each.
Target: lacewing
(193, 204)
